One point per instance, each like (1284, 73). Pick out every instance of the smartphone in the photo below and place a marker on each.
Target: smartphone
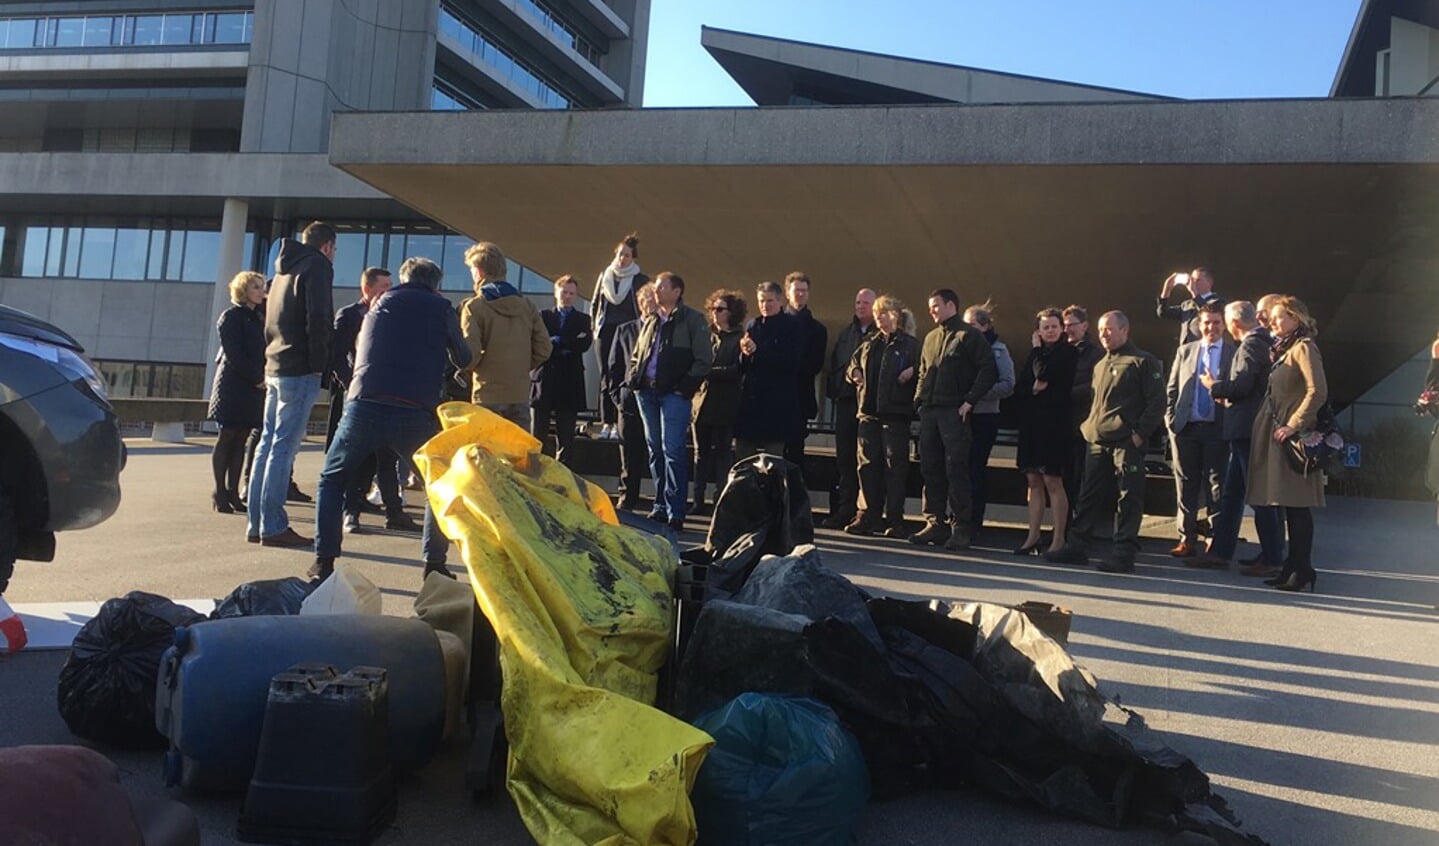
(1181, 279)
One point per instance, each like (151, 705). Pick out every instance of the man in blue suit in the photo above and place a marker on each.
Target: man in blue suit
(1196, 424)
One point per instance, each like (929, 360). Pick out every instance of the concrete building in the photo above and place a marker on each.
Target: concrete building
(152, 148)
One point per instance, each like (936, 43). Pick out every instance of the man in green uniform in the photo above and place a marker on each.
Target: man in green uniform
(1128, 407)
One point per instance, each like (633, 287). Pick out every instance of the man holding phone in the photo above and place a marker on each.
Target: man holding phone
(1200, 284)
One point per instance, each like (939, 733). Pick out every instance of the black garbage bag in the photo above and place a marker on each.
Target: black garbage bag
(107, 686)
(782, 771)
(763, 510)
(268, 597)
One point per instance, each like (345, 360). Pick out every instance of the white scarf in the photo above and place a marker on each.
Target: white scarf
(614, 282)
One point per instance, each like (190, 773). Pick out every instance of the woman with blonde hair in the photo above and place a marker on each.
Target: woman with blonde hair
(1297, 391)
(237, 398)
(883, 371)
(613, 305)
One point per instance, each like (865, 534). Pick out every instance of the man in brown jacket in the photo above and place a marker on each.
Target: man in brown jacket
(506, 335)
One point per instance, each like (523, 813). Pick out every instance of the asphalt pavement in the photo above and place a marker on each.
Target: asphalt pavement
(1315, 715)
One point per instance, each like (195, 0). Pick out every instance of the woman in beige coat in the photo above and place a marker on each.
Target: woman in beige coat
(1297, 389)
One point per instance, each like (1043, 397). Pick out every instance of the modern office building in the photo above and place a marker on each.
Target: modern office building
(151, 148)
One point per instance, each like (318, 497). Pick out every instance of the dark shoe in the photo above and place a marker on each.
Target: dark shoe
(294, 494)
(678, 524)
(236, 502)
(1067, 554)
(1284, 573)
(863, 526)
(322, 569)
(1184, 549)
(1118, 564)
(437, 568)
(897, 532)
(932, 534)
(402, 522)
(1259, 568)
(1029, 548)
(1298, 582)
(252, 538)
(1207, 562)
(288, 539)
(836, 520)
(958, 539)
(352, 524)
(221, 503)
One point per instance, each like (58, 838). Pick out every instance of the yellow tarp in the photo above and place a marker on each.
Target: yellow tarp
(582, 608)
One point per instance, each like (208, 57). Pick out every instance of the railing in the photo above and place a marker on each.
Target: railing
(480, 45)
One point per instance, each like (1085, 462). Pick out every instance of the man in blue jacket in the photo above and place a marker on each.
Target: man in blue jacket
(399, 379)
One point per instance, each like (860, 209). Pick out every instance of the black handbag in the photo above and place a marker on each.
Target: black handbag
(1317, 449)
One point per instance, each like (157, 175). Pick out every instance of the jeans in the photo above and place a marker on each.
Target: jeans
(667, 426)
(1231, 512)
(366, 427)
(944, 462)
(288, 402)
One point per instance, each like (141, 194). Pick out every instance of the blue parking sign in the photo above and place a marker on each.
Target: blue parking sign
(1352, 455)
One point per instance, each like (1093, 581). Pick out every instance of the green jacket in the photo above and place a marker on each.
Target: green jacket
(956, 366)
(1128, 397)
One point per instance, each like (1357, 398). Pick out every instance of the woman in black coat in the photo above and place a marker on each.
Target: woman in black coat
(237, 400)
(1043, 391)
(613, 305)
(717, 403)
(769, 361)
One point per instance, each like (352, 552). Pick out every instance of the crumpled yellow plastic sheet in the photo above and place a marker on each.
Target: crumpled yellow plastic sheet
(582, 609)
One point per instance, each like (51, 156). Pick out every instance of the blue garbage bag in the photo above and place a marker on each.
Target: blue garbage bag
(782, 771)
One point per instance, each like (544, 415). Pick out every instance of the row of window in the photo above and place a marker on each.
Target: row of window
(553, 23)
(127, 30)
(515, 70)
(188, 250)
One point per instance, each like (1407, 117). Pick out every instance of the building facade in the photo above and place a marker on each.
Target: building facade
(153, 148)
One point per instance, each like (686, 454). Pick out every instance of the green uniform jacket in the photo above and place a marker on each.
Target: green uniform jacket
(1128, 397)
(956, 366)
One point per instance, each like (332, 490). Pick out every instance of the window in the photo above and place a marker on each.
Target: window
(72, 31)
(148, 29)
(231, 28)
(20, 33)
(473, 40)
(177, 29)
(32, 259)
(97, 252)
(202, 255)
(349, 257)
(132, 248)
(98, 31)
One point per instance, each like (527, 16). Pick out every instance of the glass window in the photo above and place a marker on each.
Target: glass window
(349, 258)
(32, 260)
(247, 252)
(72, 252)
(148, 29)
(457, 275)
(132, 248)
(174, 254)
(4, 32)
(205, 29)
(155, 268)
(55, 251)
(202, 256)
(70, 32)
(424, 245)
(375, 250)
(97, 31)
(230, 28)
(177, 29)
(45, 32)
(22, 33)
(97, 252)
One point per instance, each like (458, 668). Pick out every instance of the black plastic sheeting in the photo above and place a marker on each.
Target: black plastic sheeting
(763, 510)
(269, 597)
(107, 686)
(942, 696)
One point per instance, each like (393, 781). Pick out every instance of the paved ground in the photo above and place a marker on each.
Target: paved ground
(1317, 716)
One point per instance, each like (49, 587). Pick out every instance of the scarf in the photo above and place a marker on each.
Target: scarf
(991, 335)
(492, 291)
(1284, 343)
(614, 283)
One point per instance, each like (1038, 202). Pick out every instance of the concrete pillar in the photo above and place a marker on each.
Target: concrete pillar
(232, 261)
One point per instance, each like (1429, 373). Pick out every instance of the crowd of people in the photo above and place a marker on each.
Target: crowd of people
(685, 392)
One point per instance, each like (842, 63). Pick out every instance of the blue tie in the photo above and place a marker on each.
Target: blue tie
(1203, 402)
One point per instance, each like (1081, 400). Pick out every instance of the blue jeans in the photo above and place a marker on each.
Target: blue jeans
(667, 422)
(1267, 519)
(365, 427)
(288, 402)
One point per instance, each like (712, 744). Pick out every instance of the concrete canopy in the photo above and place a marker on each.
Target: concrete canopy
(1335, 201)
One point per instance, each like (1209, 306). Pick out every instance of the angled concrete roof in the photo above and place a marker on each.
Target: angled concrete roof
(772, 70)
(1334, 200)
(1355, 76)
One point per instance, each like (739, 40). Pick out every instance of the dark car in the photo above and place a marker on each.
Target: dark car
(60, 446)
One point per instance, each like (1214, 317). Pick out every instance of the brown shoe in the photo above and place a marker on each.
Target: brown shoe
(1184, 549)
(287, 539)
(1259, 569)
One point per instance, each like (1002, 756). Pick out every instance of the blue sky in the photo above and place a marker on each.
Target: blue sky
(1194, 49)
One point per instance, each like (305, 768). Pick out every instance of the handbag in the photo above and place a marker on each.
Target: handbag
(1317, 449)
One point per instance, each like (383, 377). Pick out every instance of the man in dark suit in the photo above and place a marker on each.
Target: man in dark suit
(557, 387)
(1241, 390)
(813, 339)
(634, 452)
(1200, 283)
(1195, 421)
